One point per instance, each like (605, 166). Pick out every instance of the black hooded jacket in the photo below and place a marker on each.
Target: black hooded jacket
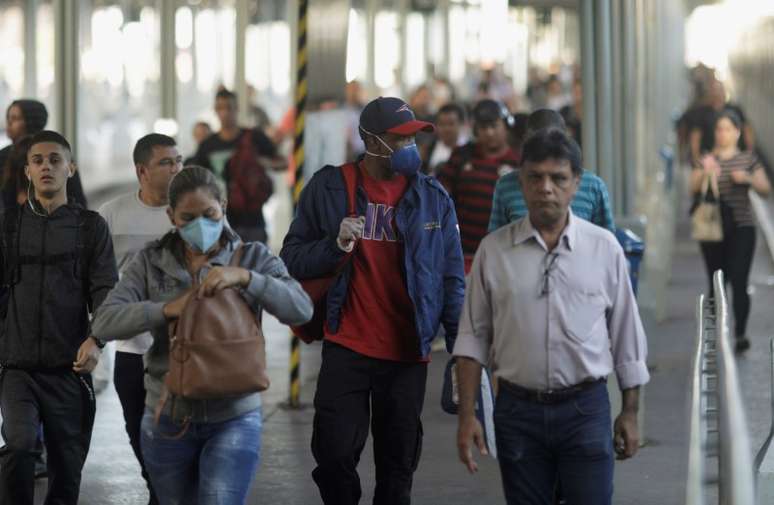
(56, 270)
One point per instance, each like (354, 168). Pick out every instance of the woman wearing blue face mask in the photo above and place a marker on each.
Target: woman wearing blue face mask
(213, 461)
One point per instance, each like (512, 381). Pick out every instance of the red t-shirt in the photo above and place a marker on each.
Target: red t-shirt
(377, 319)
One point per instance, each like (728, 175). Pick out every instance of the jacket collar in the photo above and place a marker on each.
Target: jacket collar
(523, 231)
(417, 182)
(165, 260)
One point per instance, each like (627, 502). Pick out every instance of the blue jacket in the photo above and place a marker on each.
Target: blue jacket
(426, 220)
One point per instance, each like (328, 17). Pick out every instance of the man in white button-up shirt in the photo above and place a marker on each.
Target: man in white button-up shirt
(549, 307)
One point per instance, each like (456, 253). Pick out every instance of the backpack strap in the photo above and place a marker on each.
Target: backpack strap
(10, 245)
(85, 242)
(352, 179)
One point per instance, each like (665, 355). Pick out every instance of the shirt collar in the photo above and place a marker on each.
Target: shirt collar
(524, 231)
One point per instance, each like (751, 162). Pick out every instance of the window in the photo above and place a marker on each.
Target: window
(206, 57)
(119, 89)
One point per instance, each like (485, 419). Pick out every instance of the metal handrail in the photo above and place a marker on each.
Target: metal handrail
(765, 447)
(737, 484)
(694, 492)
(714, 392)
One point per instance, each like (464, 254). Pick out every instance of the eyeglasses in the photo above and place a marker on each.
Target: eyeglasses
(550, 260)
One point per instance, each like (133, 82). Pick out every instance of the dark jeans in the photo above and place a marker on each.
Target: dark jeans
(210, 464)
(352, 390)
(734, 257)
(571, 441)
(64, 403)
(128, 377)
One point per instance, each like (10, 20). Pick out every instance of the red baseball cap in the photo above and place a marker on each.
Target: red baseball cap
(391, 115)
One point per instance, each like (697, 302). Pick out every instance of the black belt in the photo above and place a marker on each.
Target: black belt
(550, 396)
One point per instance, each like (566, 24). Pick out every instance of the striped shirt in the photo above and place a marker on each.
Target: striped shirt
(591, 202)
(470, 178)
(737, 196)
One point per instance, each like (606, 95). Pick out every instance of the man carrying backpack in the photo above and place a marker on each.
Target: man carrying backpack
(402, 277)
(240, 158)
(57, 267)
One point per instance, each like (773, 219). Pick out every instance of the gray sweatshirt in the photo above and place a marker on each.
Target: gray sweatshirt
(155, 277)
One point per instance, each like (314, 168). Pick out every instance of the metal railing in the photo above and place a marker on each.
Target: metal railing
(718, 424)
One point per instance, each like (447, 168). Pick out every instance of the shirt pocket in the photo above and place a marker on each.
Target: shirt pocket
(583, 311)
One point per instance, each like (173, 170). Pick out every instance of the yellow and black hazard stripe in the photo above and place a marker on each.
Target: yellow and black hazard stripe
(298, 156)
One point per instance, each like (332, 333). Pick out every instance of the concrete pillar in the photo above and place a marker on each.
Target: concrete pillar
(444, 6)
(589, 86)
(629, 105)
(30, 48)
(67, 69)
(168, 70)
(240, 81)
(604, 93)
(618, 161)
(370, 80)
(403, 10)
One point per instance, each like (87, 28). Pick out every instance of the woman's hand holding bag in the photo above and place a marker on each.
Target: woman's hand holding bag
(707, 219)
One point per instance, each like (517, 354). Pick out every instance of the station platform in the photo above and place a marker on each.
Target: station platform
(655, 475)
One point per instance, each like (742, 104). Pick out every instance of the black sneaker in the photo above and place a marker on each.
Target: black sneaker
(742, 344)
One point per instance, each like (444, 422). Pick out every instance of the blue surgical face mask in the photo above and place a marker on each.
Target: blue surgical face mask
(404, 160)
(202, 233)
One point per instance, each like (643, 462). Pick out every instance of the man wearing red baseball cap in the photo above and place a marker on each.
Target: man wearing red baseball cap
(400, 276)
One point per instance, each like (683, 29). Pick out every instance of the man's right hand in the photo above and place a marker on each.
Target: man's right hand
(350, 229)
(469, 433)
(173, 309)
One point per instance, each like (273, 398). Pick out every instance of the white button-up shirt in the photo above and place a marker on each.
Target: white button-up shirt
(552, 319)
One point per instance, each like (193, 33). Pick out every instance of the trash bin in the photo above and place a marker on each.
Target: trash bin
(634, 249)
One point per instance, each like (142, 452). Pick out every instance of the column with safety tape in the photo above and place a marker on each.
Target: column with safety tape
(294, 400)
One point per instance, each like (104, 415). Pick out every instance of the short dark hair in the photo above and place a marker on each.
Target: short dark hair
(50, 136)
(143, 149)
(489, 111)
(552, 143)
(731, 115)
(453, 108)
(545, 118)
(191, 178)
(224, 93)
(518, 131)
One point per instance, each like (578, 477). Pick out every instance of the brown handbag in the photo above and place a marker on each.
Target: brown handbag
(216, 347)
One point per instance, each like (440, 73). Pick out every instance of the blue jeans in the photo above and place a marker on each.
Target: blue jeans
(539, 444)
(211, 464)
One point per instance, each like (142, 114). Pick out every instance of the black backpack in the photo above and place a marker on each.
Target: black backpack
(12, 259)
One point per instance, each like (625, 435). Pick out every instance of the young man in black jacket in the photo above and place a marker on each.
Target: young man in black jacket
(57, 267)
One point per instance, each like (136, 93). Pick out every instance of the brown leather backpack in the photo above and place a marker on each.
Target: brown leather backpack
(216, 347)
